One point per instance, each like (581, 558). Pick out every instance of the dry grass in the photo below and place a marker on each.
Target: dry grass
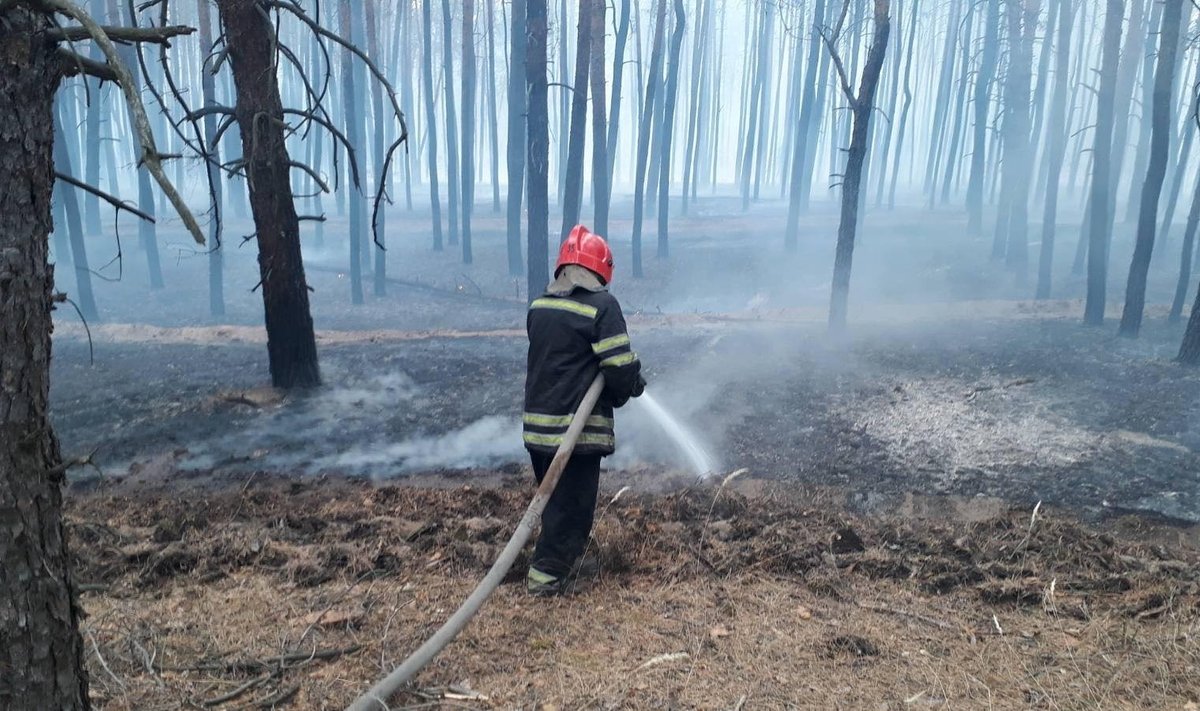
(707, 602)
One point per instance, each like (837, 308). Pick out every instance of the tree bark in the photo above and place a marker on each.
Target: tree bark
(573, 185)
(1156, 172)
(983, 89)
(538, 269)
(1185, 260)
(351, 123)
(493, 119)
(208, 91)
(1189, 351)
(863, 106)
(1022, 19)
(601, 179)
(518, 105)
(1099, 229)
(291, 345)
(647, 124)
(1057, 147)
(42, 655)
(431, 142)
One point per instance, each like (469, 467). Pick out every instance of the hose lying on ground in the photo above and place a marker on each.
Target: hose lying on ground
(376, 698)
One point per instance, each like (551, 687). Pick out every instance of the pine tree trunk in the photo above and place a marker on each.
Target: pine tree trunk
(573, 185)
(291, 345)
(468, 125)
(983, 88)
(518, 104)
(1099, 229)
(1189, 351)
(1057, 147)
(693, 119)
(452, 165)
(42, 658)
(755, 121)
(601, 179)
(1022, 18)
(351, 123)
(1164, 86)
(1142, 161)
(538, 269)
(863, 107)
(378, 230)
(74, 225)
(493, 119)
(668, 131)
(908, 97)
(91, 202)
(618, 71)
(1185, 260)
(643, 146)
(208, 89)
(431, 137)
(954, 154)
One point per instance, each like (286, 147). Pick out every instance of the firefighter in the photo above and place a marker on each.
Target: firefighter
(576, 330)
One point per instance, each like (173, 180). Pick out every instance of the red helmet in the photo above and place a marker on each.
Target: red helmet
(587, 250)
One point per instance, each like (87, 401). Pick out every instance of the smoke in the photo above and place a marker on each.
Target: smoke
(486, 442)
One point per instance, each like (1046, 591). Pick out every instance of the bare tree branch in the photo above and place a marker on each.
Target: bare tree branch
(106, 197)
(154, 35)
(84, 65)
(149, 152)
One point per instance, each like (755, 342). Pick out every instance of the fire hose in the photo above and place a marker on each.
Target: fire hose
(376, 698)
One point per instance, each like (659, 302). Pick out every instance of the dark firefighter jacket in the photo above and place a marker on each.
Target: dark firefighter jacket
(573, 335)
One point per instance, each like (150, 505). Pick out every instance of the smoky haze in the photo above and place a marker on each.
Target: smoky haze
(1012, 162)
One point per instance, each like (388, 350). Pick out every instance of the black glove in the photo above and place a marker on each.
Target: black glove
(639, 387)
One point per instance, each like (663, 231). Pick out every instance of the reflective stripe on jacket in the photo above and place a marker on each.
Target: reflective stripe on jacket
(573, 335)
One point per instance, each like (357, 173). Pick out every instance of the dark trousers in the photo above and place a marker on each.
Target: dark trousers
(567, 520)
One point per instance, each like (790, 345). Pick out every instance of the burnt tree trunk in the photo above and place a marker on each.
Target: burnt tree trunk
(1156, 172)
(493, 118)
(538, 269)
(983, 88)
(863, 106)
(1099, 227)
(573, 184)
(518, 103)
(601, 179)
(468, 126)
(291, 345)
(42, 659)
(671, 92)
(1057, 146)
(643, 145)
(1022, 18)
(431, 142)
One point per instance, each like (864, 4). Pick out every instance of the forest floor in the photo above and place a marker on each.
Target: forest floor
(971, 501)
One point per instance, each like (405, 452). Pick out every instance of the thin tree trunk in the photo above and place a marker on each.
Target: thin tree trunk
(538, 270)
(694, 115)
(573, 185)
(1057, 147)
(1164, 86)
(74, 226)
(468, 125)
(378, 231)
(601, 179)
(639, 179)
(42, 657)
(1189, 351)
(863, 106)
(351, 123)
(1100, 229)
(431, 142)
(1143, 141)
(618, 70)
(908, 97)
(758, 92)
(493, 120)
(1022, 18)
(1185, 260)
(983, 88)
(452, 165)
(291, 345)
(668, 131)
(208, 88)
(564, 100)
(518, 103)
